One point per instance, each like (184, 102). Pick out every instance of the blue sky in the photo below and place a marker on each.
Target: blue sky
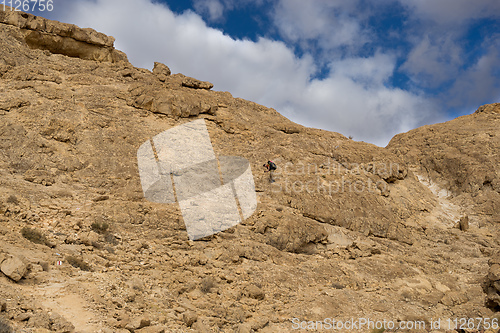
(367, 69)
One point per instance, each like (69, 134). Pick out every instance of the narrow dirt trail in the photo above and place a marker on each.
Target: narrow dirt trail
(59, 297)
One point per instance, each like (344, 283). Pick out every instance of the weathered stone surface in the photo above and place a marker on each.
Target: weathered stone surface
(172, 103)
(14, 267)
(470, 173)
(255, 292)
(37, 23)
(492, 287)
(161, 71)
(463, 224)
(494, 274)
(189, 318)
(196, 84)
(151, 329)
(62, 38)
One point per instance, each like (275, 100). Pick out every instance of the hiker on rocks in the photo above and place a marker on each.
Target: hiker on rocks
(270, 166)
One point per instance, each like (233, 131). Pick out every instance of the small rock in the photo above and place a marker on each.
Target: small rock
(138, 323)
(196, 84)
(14, 268)
(494, 274)
(255, 292)
(22, 316)
(42, 320)
(441, 287)
(189, 318)
(244, 328)
(200, 327)
(453, 298)
(464, 223)
(101, 198)
(60, 324)
(151, 329)
(41, 330)
(161, 71)
(89, 238)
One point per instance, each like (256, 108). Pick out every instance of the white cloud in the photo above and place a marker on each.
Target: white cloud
(434, 60)
(327, 22)
(213, 8)
(479, 82)
(454, 12)
(353, 99)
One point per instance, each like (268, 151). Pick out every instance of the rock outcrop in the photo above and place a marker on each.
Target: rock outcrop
(62, 38)
(460, 156)
(493, 283)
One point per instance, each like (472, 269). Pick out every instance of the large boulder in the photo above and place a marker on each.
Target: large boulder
(14, 267)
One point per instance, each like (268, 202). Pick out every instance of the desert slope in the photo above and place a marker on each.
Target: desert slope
(348, 230)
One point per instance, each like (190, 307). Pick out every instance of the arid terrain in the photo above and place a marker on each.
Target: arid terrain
(408, 234)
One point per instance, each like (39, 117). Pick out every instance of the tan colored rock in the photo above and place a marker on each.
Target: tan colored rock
(196, 84)
(453, 298)
(88, 238)
(138, 323)
(255, 292)
(172, 103)
(151, 329)
(494, 274)
(189, 318)
(11, 104)
(14, 267)
(200, 326)
(63, 38)
(438, 151)
(244, 328)
(41, 330)
(463, 224)
(161, 71)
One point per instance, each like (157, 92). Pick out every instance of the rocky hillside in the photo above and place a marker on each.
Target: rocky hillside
(406, 234)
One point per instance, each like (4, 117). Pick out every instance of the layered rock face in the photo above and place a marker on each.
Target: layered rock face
(61, 38)
(462, 157)
(347, 230)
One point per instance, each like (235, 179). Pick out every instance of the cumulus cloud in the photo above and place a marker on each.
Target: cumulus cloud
(328, 23)
(214, 9)
(454, 12)
(479, 82)
(353, 100)
(434, 60)
(441, 54)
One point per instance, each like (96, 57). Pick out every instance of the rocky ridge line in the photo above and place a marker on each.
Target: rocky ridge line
(62, 38)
